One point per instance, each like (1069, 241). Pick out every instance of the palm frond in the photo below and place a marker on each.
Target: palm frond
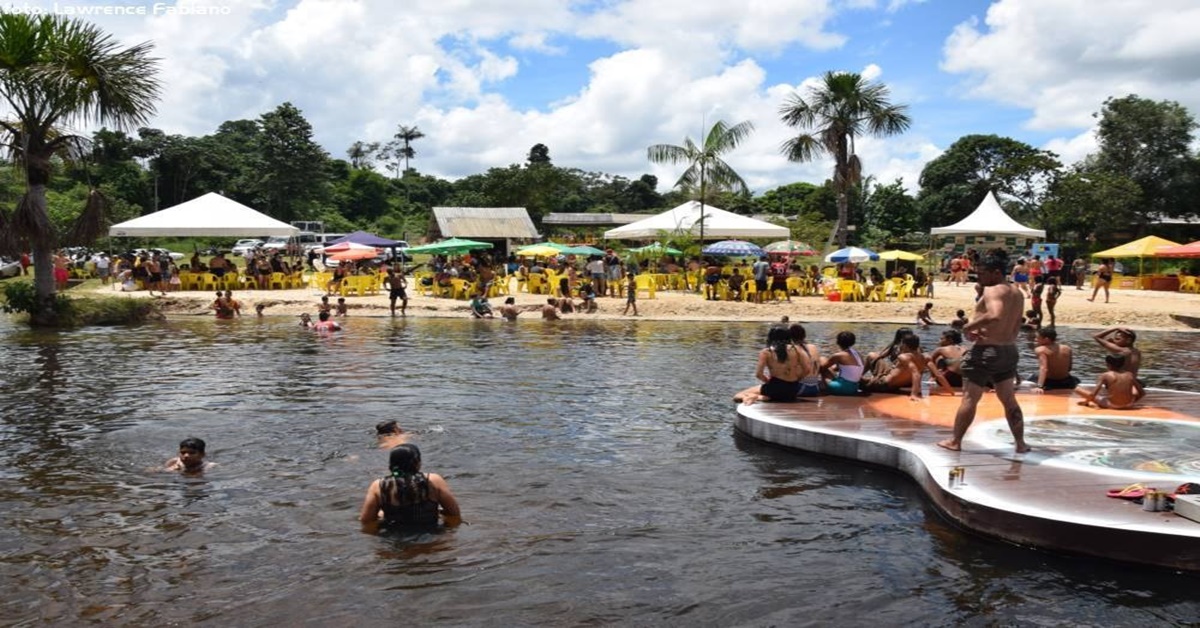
(30, 221)
(92, 222)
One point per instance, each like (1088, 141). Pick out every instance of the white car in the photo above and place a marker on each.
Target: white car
(9, 268)
(247, 244)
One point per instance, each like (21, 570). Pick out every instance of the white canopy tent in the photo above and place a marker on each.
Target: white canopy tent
(988, 219)
(718, 224)
(208, 215)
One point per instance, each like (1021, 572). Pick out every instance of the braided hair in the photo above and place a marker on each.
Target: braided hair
(405, 484)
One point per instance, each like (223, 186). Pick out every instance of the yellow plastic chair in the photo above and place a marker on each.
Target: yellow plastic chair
(647, 283)
(537, 284)
(749, 290)
(207, 281)
(277, 280)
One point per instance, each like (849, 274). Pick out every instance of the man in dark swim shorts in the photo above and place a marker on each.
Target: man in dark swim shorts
(986, 364)
(779, 390)
(396, 286)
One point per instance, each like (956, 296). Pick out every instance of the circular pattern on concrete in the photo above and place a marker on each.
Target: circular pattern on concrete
(1106, 443)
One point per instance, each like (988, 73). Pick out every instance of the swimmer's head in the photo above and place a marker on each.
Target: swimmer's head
(404, 459)
(323, 316)
(387, 427)
(192, 443)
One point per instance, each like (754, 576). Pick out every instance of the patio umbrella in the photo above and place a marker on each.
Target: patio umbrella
(656, 248)
(354, 254)
(894, 255)
(450, 246)
(584, 250)
(1191, 249)
(554, 245)
(733, 248)
(539, 250)
(852, 254)
(347, 246)
(790, 247)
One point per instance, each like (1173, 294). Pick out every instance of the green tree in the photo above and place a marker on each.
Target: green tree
(1149, 142)
(889, 213)
(843, 108)
(400, 148)
(362, 154)
(56, 71)
(953, 183)
(294, 175)
(1088, 206)
(706, 172)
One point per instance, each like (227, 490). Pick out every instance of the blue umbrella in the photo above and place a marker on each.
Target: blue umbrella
(852, 254)
(733, 248)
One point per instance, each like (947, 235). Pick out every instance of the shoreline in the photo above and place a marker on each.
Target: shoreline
(1136, 309)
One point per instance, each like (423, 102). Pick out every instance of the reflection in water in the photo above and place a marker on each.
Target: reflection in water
(595, 461)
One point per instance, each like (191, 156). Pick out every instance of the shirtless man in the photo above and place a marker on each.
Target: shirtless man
(993, 358)
(1116, 388)
(509, 310)
(1119, 340)
(1054, 363)
(397, 286)
(550, 310)
(910, 364)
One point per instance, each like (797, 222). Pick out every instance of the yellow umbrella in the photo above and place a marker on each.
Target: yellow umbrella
(1145, 247)
(539, 250)
(901, 255)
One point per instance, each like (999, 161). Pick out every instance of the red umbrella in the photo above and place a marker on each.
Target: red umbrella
(354, 254)
(1191, 249)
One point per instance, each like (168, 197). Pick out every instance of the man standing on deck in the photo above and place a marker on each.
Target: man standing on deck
(992, 361)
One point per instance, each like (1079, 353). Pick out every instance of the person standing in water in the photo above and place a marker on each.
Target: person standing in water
(992, 360)
(406, 497)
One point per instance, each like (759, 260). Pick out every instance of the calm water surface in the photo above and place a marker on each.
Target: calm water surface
(595, 462)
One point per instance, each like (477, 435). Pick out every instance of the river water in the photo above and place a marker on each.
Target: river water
(594, 460)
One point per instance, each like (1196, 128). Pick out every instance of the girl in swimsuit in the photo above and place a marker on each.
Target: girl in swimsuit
(779, 368)
(945, 362)
(844, 368)
(810, 357)
(1103, 279)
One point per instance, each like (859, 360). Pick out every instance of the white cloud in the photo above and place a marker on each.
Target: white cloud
(1062, 58)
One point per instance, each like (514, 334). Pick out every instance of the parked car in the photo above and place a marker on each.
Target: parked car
(246, 244)
(276, 243)
(9, 268)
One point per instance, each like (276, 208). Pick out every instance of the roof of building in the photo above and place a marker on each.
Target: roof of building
(591, 219)
(484, 222)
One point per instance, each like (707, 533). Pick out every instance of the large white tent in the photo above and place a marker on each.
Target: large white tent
(685, 219)
(208, 215)
(988, 219)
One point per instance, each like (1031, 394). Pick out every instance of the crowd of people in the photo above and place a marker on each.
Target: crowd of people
(789, 368)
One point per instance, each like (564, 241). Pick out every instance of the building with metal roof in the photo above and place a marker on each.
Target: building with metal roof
(484, 223)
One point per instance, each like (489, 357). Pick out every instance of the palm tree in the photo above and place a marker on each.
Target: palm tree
(55, 71)
(844, 107)
(407, 135)
(705, 166)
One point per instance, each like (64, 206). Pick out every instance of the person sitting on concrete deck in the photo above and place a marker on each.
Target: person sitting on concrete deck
(1055, 361)
(844, 369)
(945, 362)
(810, 357)
(882, 361)
(1119, 340)
(905, 374)
(779, 369)
(1116, 388)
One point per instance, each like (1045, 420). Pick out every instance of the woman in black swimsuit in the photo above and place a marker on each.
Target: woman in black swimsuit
(407, 497)
(1103, 278)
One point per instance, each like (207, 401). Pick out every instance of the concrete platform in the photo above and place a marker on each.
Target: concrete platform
(1053, 497)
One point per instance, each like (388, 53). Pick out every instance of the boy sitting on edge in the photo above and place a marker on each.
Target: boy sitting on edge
(1116, 388)
(190, 460)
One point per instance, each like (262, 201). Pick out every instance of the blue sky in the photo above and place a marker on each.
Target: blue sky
(598, 81)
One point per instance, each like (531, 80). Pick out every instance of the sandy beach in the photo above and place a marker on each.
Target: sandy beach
(1137, 309)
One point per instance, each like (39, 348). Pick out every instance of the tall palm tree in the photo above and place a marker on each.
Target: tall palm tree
(408, 135)
(55, 71)
(843, 108)
(705, 166)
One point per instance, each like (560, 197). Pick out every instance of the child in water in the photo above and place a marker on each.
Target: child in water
(190, 459)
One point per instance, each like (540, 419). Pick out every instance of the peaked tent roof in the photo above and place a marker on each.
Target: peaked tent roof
(363, 237)
(718, 224)
(988, 218)
(208, 215)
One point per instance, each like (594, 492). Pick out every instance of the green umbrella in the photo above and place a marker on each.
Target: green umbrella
(449, 246)
(656, 249)
(583, 250)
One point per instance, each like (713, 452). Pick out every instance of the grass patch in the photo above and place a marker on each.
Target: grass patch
(80, 311)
